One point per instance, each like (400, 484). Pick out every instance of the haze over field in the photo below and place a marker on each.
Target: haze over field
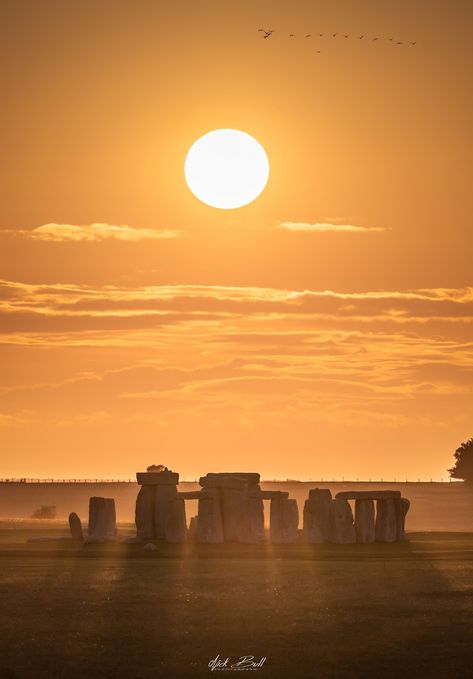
(324, 330)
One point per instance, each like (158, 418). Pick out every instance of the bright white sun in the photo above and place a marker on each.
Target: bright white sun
(226, 169)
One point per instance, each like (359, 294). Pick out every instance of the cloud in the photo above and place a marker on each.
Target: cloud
(95, 232)
(327, 227)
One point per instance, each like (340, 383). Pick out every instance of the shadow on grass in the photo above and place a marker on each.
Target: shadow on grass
(313, 611)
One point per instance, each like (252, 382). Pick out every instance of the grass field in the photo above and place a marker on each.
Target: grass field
(400, 610)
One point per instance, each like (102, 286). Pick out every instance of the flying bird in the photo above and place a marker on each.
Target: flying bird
(361, 37)
(321, 35)
(291, 35)
(399, 43)
(347, 35)
(267, 34)
(334, 35)
(308, 35)
(414, 43)
(375, 39)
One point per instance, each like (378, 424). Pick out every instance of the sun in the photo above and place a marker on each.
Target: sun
(226, 169)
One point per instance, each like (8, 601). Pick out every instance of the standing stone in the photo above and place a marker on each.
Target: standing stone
(75, 524)
(284, 521)
(364, 521)
(175, 528)
(163, 496)
(402, 507)
(386, 529)
(342, 529)
(235, 512)
(144, 513)
(251, 527)
(102, 519)
(209, 518)
(316, 518)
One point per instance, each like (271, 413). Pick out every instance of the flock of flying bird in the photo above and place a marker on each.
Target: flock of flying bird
(268, 33)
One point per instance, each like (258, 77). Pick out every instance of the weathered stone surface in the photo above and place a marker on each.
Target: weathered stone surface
(157, 478)
(234, 504)
(251, 527)
(192, 530)
(368, 494)
(230, 482)
(317, 516)
(386, 527)
(402, 507)
(144, 513)
(342, 529)
(149, 547)
(190, 494)
(250, 477)
(268, 494)
(175, 524)
(284, 521)
(163, 497)
(102, 519)
(364, 521)
(75, 524)
(320, 494)
(209, 518)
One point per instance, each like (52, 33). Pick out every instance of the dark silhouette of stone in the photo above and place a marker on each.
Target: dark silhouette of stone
(175, 529)
(163, 497)
(209, 518)
(368, 495)
(157, 478)
(320, 494)
(342, 529)
(217, 481)
(402, 507)
(75, 524)
(144, 513)
(267, 494)
(234, 503)
(387, 520)
(364, 521)
(284, 521)
(317, 516)
(102, 519)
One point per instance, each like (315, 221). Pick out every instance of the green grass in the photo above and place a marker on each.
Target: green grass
(402, 610)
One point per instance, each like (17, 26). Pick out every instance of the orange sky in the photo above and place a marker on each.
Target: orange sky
(208, 339)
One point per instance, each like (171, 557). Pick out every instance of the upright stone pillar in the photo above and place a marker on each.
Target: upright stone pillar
(342, 529)
(209, 518)
(364, 521)
(144, 513)
(402, 507)
(175, 529)
(284, 521)
(158, 516)
(386, 528)
(75, 525)
(317, 513)
(102, 519)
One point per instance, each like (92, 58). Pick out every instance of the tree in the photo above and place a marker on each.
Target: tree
(463, 468)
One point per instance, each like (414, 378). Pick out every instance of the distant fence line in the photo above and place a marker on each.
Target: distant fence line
(342, 480)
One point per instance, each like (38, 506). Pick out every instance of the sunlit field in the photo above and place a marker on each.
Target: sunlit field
(395, 610)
